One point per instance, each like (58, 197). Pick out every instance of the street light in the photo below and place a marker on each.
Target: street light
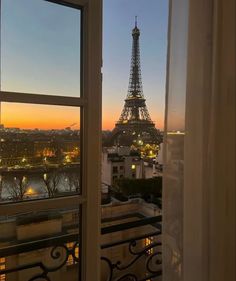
(24, 180)
(23, 160)
(45, 177)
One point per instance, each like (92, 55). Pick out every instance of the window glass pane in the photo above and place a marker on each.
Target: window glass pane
(39, 151)
(175, 177)
(40, 244)
(40, 49)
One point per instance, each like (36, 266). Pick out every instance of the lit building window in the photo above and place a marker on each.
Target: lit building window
(147, 242)
(71, 260)
(2, 267)
(133, 167)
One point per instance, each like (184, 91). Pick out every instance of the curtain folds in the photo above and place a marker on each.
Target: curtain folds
(199, 214)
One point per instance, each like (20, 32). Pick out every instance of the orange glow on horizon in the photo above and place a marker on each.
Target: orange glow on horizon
(46, 117)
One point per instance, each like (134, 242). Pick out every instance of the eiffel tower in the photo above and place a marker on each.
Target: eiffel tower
(135, 123)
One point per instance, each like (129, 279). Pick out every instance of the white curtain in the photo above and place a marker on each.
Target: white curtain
(174, 141)
(199, 173)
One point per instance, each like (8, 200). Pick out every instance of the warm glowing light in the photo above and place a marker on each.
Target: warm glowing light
(71, 260)
(133, 167)
(23, 160)
(67, 159)
(140, 142)
(48, 152)
(2, 267)
(31, 191)
(176, 133)
(147, 243)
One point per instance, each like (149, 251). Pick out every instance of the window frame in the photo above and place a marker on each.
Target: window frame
(89, 103)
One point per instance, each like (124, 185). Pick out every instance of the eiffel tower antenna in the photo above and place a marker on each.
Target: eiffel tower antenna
(135, 119)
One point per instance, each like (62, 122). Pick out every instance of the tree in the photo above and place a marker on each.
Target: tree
(51, 181)
(73, 180)
(144, 187)
(17, 187)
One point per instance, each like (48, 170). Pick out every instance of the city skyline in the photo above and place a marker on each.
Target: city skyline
(57, 70)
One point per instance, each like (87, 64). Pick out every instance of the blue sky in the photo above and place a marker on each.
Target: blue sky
(41, 46)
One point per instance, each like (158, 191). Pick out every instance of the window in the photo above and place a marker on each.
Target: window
(49, 125)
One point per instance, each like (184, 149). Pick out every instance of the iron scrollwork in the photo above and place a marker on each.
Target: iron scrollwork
(63, 248)
(118, 270)
(58, 253)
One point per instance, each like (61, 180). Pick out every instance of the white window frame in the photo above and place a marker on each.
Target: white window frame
(90, 103)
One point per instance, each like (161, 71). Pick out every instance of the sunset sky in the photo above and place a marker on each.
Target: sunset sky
(40, 54)
(39, 116)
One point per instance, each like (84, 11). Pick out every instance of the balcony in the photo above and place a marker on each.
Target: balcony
(125, 255)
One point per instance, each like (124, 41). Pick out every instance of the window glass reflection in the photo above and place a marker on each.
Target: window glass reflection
(39, 151)
(40, 49)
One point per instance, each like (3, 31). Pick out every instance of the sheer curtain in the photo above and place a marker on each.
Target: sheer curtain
(199, 174)
(174, 140)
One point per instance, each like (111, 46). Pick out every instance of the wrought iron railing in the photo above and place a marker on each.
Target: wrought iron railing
(148, 256)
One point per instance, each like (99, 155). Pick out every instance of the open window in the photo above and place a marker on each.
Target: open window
(50, 139)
